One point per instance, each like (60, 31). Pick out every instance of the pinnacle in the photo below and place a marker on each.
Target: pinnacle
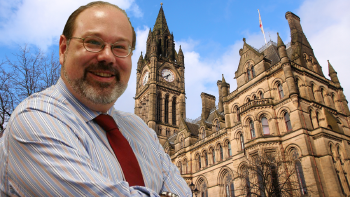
(279, 41)
(161, 23)
(330, 68)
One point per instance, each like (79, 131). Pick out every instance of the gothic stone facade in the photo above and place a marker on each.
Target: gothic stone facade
(283, 104)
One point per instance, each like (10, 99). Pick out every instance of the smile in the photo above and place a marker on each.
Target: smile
(100, 74)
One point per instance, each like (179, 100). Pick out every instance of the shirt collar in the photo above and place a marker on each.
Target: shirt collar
(86, 113)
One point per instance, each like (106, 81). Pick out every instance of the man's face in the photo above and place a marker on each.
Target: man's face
(99, 78)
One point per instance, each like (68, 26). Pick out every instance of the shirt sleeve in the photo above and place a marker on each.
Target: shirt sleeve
(173, 181)
(45, 158)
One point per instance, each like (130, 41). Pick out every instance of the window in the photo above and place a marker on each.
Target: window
(182, 142)
(310, 114)
(249, 75)
(318, 119)
(321, 91)
(203, 133)
(252, 130)
(313, 91)
(261, 95)
(238, 115)
(217, 126)
(199, 162)
(206, 159)
(265, 126)
(280, 90)
(213, 155)
(254, 97)
(287, 121)
(221, 153)
(229, 149)
(167, 131)
(185, 167)
(166, 107)
(253, 71)
(333, 96)
(229, 187)
(299, 173)
(180, 167)
(159, 108)
(174, 111)
(242, 141)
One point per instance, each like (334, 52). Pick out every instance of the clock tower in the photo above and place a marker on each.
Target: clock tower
(160, 84)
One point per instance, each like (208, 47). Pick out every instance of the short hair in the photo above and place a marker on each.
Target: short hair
(70, 24)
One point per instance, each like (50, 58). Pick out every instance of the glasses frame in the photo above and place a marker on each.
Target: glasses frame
(103, 46)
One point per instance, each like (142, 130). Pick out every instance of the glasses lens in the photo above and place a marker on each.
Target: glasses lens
(93, 44)
(121, 49)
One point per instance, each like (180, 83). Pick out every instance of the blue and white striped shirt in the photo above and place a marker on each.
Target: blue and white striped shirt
(51, 147)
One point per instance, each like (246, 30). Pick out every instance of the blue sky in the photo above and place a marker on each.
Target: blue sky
(209, 32)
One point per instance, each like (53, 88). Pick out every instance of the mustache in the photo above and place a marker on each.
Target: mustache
(101, 66)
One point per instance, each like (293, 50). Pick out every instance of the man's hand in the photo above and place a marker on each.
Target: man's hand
(168, 194)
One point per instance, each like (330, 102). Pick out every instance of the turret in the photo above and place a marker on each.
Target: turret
(180, 57)
(208, 103)
(139, 63)
(223, 91)
(332, 73)
(287, 69)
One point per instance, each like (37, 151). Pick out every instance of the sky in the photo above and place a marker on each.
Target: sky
(210, 34)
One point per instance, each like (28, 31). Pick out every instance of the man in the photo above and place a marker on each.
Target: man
(57, 144)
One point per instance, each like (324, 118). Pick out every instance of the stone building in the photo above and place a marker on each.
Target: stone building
(283, 104)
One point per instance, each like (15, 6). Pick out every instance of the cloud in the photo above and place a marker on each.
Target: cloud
(40, 23)
(326, 25)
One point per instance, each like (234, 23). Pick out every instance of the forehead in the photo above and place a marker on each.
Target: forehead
(105, 21)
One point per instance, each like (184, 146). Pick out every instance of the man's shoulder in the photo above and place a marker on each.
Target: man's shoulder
(49, 101)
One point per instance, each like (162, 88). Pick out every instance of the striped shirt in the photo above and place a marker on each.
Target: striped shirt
(52, 147)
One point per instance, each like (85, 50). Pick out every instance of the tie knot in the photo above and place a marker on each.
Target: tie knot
(106, 122)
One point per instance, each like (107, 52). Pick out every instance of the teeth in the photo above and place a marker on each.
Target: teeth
(103, 74)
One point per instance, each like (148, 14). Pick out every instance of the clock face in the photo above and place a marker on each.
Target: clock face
(145, 78)
(168, 75)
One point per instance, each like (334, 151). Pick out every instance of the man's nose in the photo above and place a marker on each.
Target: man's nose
(106, 55)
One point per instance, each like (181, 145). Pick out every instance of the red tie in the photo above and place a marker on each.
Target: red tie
(122, 150)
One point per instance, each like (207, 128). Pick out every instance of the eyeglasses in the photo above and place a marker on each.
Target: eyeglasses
(95, 44)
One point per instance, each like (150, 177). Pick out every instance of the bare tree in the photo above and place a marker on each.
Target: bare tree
(22, 75)
(272, 176)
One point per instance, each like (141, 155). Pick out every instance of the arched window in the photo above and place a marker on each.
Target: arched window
(280, 90)
(180, 167)
(310, 114)
(265, 126)
(261, 95)
(241, 141)
(340, 155)
(167, 132)
(287, 121)
(313, 91)
(159, 108)
(166, 108)
(199, 162)
(206, 159)
(252, 130)
(238, 115)
(333, 97)
(217, 126)
(181, 142)
(249, 75)
(174, 111)
(213, 155)
(229, 151)
(322, 98)
(254, 97)
(229, 187)
(185, 167)
(253, 71)
(318, 119)
(203, 190)
(221, 153)
(332, 154)
(299, 173)
(203, 133)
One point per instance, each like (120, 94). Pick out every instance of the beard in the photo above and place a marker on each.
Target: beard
(97, 92)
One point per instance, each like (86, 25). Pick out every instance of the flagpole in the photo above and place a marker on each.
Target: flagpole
(261, 26)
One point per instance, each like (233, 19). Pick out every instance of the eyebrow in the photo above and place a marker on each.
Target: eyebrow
(92, 33)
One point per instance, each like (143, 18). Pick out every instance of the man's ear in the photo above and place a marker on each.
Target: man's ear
(62, 48)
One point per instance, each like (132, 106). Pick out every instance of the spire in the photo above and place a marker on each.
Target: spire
(180, 51)
(279, 41)
(223, 81)
(139, 63)
(161, 23)
(141, 57)
(330, 68)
